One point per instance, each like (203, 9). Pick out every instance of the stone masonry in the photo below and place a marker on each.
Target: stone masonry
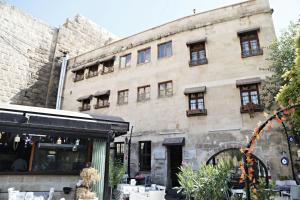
(30, 52)
(158, 118)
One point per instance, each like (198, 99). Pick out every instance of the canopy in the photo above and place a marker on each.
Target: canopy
(59, 122)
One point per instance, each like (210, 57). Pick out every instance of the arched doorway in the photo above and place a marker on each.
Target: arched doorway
(235, 155)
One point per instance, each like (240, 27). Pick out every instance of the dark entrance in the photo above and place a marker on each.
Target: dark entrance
(175, 160)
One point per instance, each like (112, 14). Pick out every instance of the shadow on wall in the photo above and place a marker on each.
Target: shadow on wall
(36, 93)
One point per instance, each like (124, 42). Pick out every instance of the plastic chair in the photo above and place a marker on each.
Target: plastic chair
(51, 194)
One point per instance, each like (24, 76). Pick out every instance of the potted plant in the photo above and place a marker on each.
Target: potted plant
(116, 173)
(89, 177)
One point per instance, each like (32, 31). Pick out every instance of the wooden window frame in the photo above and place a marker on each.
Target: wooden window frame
(144, 50)
(102, 101)
(79, 77)
(123, 91)
(144, 155)
(85, 105)
(165, 91)
(196, 112)
(247, 37)
(92, 71)
(143, 98)
(125, 56)
(197, 47)
(160, 45)
(110, 67)
(257, 107)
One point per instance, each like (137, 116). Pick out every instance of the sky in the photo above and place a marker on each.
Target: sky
(127, 17)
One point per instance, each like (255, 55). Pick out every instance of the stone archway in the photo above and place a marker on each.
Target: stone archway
(212, 160)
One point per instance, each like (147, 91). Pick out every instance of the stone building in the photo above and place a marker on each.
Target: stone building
(30, 52)
(186, 87)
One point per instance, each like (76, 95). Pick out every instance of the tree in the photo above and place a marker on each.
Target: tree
(282, 59)
(290, 91)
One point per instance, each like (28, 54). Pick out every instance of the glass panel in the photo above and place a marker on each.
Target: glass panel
(254, 97)
(14, 156)
(245, 98)
(245, 48)
(194, 55)
(200, 104)
(128, 60)
(202, 54)
(165, 50)
(193, 104)
(123, 62)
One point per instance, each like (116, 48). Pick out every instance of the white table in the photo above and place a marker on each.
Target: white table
(139, 192)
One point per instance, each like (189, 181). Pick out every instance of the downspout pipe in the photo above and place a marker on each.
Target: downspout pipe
(61, 80)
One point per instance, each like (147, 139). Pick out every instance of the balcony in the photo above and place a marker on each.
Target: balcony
(196, 112)
(198, 62)
(98, 106)
(252, 52)
(84, 108)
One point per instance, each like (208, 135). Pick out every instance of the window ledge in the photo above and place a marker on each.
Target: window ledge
(257, 108)
(109, 71)
(101, 106)
(121, 104)
(165, 96)
(251, 54)
(190, 113)
(84, 109)
(142, 100)
(164, 57)
(76, 79)
(139, 64)
(193, 63)
(91, 76)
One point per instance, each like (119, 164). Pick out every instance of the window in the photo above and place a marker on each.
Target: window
(165, 49)
(108, 66)
(123, 97)
(250, 98)
(79, 75)
(197, 54)
(42, 154)
(93, 71)
(145, 155)
(69, 155)
(125, 61)
(85, 105)
(143, 93)
(196, 104)
(144, 56)
(102, 101)
(119, 151)
(250, 44)
(165, 89)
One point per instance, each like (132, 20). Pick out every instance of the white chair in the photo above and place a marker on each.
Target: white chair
(295, 192)
(51, 194)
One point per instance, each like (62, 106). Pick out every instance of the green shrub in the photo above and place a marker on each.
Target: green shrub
(207, 183)
(116, 173)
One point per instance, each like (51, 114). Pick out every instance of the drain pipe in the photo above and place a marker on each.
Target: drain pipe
(61, 80)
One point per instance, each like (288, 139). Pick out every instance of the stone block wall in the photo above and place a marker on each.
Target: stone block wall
(30, 50)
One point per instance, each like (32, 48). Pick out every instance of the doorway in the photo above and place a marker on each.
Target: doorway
(175, 161)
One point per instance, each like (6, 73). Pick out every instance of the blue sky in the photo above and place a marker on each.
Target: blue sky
(126, 17)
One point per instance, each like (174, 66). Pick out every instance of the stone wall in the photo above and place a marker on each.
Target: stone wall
(224, 126)
(30, 50)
